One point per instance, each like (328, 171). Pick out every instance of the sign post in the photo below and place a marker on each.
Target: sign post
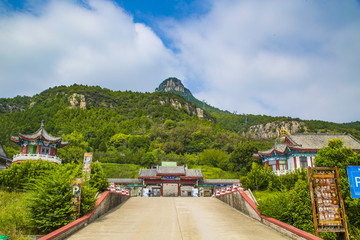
(354, 180)
(87, 166)
(75, 189)
(328, 206)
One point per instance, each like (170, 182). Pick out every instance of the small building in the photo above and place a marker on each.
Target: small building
(5, 162)
(170, 181)
(300, 150)
(38, 145)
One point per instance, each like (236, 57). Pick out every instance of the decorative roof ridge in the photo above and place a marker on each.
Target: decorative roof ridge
(352, 137)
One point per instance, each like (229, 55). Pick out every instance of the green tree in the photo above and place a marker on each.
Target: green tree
(50, 199)
(257, 179)
(74, 151)
(98, 179)
(215, 158)
(242, 157)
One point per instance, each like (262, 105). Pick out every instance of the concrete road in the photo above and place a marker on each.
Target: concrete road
(176, 218)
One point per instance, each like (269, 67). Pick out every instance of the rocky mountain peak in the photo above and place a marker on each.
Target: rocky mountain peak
(173, 85)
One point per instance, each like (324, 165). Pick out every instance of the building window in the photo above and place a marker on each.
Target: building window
(303, 162)
(283, 165)
(45, 150)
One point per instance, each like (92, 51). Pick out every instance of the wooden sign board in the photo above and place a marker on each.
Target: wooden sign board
(328, 206)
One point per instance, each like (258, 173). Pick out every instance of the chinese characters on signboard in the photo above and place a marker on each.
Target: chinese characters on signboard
(327, 199)
(87, 166)
(328, 206)
(75, 189)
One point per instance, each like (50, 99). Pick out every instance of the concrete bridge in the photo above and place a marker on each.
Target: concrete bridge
(176, 218)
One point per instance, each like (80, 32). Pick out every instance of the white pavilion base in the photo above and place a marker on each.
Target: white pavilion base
(35, 157)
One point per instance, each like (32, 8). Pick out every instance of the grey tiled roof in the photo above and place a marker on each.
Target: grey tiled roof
(125, 180)
(2, 151)
(194, 173)
(312, 141)
(171, 170)
(318, 141)
(147, 173)
(280, 147)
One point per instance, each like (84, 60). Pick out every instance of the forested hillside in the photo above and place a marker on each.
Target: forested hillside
(144, 128)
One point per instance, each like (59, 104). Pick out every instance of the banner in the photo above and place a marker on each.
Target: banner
(87, 166)
(75, 189)
(328, 206)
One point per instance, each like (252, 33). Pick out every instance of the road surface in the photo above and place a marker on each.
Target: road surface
(176, 218)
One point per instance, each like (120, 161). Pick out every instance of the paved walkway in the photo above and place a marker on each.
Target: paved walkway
(176, 218)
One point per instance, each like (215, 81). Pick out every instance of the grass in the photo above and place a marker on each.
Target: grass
(115, 170)
(13, 215)
(216, 173)
(263, 195)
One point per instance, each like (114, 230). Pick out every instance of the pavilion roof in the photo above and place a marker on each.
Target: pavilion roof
(41, 132)
(167, 170)
(311, 141)
(318, 141)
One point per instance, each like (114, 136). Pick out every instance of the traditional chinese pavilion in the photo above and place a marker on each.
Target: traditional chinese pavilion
(38, 145)
(300, 150)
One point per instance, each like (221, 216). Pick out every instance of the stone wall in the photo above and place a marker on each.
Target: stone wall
(241, 201)
(106, 202)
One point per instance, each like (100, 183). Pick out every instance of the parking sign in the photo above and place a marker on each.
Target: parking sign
(354, 179)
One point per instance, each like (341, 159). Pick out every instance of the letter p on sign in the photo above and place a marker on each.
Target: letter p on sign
(357, 181)
(354, 180)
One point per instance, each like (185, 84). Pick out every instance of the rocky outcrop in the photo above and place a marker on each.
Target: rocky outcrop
(275, 129)
(77, 100)
(191, 110)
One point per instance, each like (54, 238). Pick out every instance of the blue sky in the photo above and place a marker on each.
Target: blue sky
(298, 58)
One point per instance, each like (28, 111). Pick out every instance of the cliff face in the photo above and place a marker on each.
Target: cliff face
(274, 129)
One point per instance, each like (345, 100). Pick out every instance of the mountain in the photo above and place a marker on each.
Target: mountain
(258, 126)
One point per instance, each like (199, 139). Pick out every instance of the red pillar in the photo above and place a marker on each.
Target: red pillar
(24, 149)
(294, 162)
(38, 149)
(277, 165)
(161, 190)
(311, 162)
(179, 193)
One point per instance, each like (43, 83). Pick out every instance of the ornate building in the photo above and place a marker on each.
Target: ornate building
(38, 145)
(300, 150)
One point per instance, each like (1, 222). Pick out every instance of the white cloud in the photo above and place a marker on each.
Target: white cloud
(288, 58)
(64, 43)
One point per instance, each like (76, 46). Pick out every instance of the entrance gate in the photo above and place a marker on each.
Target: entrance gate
(170, 189)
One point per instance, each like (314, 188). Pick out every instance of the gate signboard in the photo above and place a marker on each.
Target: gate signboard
(328, 206)
(75, 188)
(87, 166)
(354, 180)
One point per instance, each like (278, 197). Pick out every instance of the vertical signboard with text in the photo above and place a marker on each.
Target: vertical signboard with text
(87, 166)
(75, 189)
(328, 206)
